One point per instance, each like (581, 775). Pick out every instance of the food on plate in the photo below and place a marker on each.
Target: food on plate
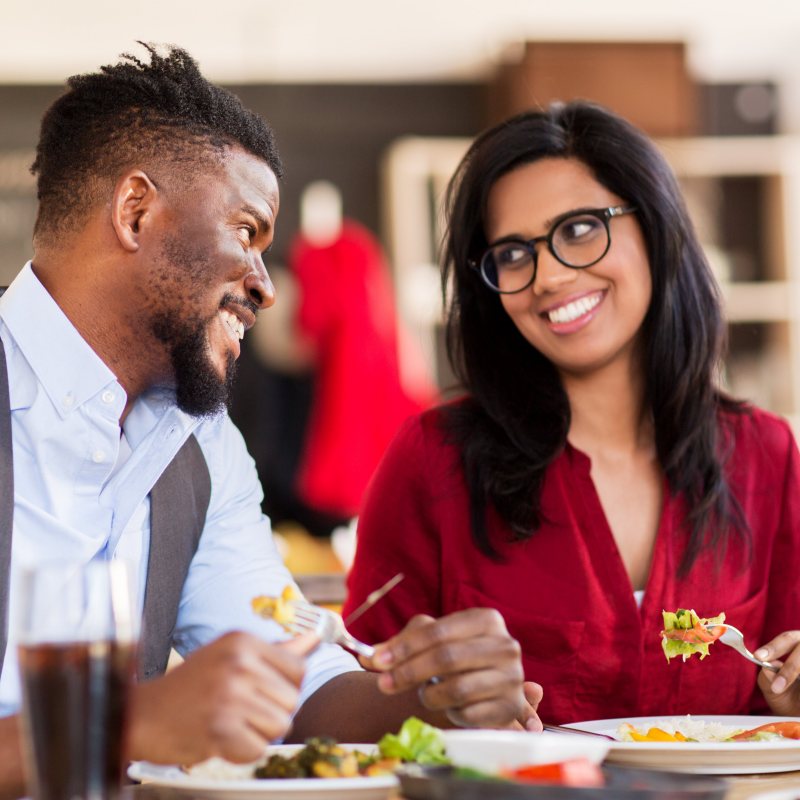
(280, 608)
(629, 733)
(788, 730)
(686, 729)
(685, 634)
(416, 741)
(574, 772)
(323, 757)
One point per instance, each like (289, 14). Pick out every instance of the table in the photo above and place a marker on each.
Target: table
(742, 787)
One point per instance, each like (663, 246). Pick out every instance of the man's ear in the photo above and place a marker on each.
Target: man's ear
(132, 206)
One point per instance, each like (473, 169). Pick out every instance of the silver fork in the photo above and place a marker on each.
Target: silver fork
(734, 638)
(326, 624)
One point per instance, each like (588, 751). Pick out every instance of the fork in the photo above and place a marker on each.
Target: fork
(734, 638)
(326, 624)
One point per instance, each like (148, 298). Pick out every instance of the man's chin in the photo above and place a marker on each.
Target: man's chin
(203, 391)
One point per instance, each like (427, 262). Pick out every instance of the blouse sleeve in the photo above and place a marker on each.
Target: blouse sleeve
(783, 598)
(398, 532)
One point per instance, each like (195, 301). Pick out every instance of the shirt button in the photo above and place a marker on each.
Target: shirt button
(107, 397)
(98, 456)
(69, 400)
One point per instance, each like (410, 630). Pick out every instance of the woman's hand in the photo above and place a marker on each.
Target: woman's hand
(781, 689)
(465, 664)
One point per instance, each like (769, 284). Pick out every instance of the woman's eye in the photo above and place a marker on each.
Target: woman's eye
(510, 255)
(579, 229)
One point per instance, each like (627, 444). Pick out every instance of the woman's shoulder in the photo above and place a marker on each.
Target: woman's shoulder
(757, 432)
(429, 430)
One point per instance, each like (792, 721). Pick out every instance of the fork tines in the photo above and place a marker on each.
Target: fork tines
(307, 617)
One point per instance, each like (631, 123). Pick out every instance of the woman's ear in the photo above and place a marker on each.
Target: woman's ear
(132, 206)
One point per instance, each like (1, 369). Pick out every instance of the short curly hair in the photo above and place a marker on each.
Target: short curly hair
(163, 113)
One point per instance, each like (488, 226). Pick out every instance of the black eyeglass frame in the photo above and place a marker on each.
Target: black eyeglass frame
(603, 214)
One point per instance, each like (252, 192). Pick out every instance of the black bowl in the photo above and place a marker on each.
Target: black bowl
(621, 783)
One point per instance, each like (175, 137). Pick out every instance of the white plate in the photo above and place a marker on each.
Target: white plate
(243, 788)
(709, 758)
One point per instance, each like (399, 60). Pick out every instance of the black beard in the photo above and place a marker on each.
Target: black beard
(199, 390)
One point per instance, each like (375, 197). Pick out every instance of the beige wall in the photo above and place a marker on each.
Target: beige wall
(364, 40)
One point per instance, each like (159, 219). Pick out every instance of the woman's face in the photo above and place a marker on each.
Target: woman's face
(580, 319)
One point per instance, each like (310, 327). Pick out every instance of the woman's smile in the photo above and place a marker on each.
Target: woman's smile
(574, 313)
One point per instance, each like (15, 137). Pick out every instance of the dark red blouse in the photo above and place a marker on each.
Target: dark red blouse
(565, 593)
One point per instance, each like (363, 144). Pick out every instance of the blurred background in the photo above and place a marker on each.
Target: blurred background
(373, 104)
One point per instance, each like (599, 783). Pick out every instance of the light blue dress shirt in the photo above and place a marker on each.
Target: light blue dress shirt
(79, 496)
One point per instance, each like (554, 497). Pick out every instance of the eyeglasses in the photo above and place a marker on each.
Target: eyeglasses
(577, 239)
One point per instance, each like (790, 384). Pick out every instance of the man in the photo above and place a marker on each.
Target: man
(158, 193)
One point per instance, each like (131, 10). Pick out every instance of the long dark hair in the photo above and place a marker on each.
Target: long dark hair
(516, 417)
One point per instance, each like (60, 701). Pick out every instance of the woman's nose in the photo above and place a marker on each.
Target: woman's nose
(258, 286)
(551, 274)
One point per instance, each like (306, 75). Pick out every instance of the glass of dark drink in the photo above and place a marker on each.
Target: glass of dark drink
(77, 650)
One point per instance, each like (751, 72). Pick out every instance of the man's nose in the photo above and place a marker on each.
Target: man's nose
(551, 274)
(258, 286)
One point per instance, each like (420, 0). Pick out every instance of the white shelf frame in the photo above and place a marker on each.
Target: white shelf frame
(416, 171)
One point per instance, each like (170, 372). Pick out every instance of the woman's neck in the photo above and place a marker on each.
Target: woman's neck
(608, 411)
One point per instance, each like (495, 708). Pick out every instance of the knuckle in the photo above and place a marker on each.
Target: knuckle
(448, 658)
(403, 676)
(513, 648)
(437, 634)
(459, 693)
(494, 619)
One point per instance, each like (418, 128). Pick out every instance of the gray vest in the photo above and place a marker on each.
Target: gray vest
(178, 505)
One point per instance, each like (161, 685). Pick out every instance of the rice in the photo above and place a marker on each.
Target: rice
(697, 729)
(218, 769)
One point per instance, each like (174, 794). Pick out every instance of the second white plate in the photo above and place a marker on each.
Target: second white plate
(709, 758)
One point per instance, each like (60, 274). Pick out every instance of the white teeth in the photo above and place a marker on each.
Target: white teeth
(234, 323)
(571, 311)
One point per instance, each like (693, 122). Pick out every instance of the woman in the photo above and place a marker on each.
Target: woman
(594, 474)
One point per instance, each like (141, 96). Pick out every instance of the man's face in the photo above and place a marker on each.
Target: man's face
(208, 280)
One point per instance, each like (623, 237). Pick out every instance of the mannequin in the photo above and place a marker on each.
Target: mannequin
(321, 213)
(347, 312)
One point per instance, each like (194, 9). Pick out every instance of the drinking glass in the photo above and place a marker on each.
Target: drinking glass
(77, 645)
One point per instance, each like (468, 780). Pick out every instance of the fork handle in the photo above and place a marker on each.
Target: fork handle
(351, 643)
(765, 664)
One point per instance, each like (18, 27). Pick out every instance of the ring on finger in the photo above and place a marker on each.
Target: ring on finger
(433, 681)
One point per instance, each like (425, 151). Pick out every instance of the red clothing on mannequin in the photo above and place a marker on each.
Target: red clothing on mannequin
(565, 594)
(347, 310)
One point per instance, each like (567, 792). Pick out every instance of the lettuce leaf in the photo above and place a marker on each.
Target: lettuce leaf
(415, 741)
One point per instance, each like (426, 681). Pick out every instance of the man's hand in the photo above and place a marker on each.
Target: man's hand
(529, 720)
(229, 698)
(465, 665)
(781, 689)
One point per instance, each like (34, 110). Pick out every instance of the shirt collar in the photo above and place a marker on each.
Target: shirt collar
(64, 363)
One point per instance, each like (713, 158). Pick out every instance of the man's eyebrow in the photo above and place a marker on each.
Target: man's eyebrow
(264, 221)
